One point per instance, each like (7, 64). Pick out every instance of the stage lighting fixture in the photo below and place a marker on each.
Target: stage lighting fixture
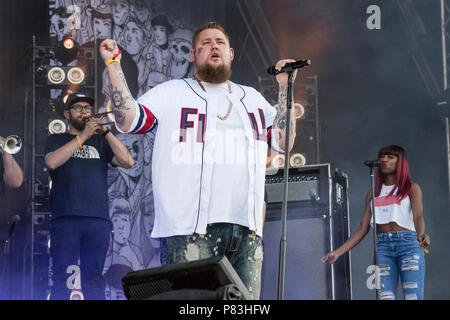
(297, 160)
(278, 161)
(68, 43)
(57, 126)
(56, 75)
(65, 75)
(299, 110)
(66, 51)
(75, 75)
(76, 295)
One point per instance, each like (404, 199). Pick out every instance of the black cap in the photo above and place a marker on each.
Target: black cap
(77, 97)
(162, 20)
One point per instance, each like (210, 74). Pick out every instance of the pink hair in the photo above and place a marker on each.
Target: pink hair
(403, 178)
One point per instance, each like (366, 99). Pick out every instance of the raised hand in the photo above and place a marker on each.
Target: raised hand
(107, 49)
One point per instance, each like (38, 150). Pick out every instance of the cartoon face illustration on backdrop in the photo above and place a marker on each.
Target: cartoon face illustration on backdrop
(162, 28)
(58, 27)
(140, 10)
(180, 47)
(160, 35)
(120, 217)
(102, 28)
(134, 37)
(120, 11)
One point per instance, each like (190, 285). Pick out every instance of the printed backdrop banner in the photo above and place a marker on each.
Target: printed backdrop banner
(155, 44)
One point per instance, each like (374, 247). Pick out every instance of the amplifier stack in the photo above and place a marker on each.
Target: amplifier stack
(317, 222)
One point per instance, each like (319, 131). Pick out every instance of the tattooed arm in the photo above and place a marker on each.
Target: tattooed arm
(279, 124)
(124, 105)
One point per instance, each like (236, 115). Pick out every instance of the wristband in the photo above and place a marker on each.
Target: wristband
(107, 63)
(114, 58)
(106, 132)
(117, 54)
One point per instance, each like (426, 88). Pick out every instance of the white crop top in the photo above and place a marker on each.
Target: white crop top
(390, 209)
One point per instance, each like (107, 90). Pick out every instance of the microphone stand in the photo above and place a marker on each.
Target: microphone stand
(282, 255)
(289, 68)
(375, 253)
(8, 252)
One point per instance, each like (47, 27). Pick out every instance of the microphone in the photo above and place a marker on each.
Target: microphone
(289, 67)
(372, 163)
(13, 221)
(8, 243)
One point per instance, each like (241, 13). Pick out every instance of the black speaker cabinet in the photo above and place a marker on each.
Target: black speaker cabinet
(208, 279)
(317, 222)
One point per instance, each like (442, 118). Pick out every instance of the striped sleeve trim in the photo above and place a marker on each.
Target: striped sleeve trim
(269, 137)
(146, 120)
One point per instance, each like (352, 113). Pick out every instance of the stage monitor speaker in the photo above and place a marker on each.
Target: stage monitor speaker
(317, 222)
(208, 279)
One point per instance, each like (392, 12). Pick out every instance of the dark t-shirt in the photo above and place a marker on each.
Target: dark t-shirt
(79, 186)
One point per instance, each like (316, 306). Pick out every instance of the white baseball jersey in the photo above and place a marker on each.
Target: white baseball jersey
(184, 154)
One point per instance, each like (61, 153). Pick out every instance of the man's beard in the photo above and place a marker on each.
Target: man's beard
(77, 124)
(209, 73)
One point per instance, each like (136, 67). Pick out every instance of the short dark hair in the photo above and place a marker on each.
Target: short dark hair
(162, 20)
(208, 25)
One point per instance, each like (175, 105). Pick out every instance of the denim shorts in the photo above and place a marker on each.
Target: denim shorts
(399, 254)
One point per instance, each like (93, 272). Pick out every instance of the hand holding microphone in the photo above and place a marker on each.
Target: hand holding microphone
(281, 69)
(287, 66)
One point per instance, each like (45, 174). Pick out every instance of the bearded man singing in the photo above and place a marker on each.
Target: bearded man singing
(209, 157)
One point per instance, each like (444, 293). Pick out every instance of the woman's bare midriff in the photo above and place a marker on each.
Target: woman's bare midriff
(389, 227)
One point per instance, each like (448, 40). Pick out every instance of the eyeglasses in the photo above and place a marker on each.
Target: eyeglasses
(79, 107)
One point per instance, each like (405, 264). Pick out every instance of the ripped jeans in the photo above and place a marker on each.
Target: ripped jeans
(242, 247)
(399, 253)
